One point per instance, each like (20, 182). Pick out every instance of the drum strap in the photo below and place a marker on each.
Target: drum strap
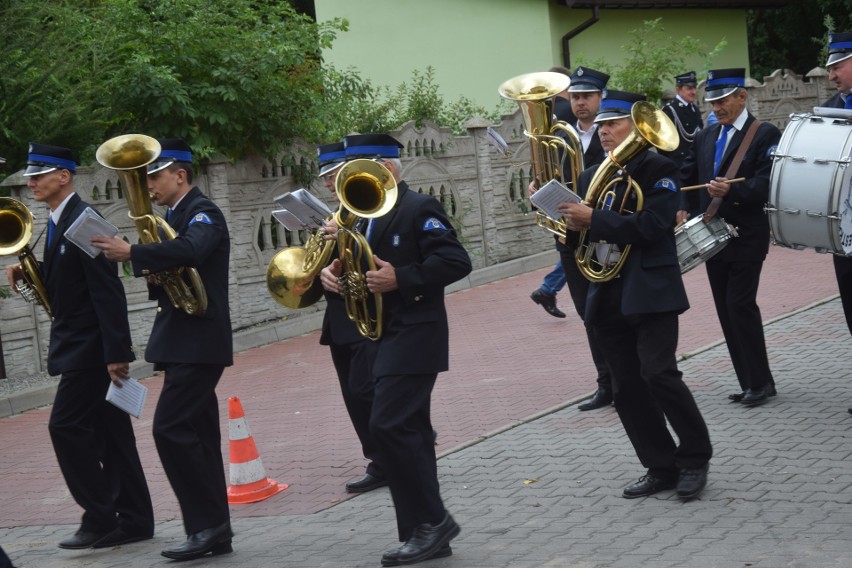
(716, 202)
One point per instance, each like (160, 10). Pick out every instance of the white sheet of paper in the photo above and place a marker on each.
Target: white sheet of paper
(550, 195)
(307, 208)
(89, 224)
(130, 397)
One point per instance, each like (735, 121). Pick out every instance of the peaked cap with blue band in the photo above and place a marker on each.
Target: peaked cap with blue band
(617, 104)
(371, 146)
(686, 79)
(585, 80)
(723, 82)
(839, 47)
(331, 157)
(172, 150)
(43, 158)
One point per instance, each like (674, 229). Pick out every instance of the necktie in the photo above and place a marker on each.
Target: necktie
(848, 101)
(168, 213)
(50, 227)
(720, 147)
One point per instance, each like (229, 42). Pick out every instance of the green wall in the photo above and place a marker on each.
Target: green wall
(474, 45)
(608, 38)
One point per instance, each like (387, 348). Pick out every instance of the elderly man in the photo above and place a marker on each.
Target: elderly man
(739, 146)
(635, 316)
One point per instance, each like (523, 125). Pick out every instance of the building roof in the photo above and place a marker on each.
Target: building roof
(645, 4)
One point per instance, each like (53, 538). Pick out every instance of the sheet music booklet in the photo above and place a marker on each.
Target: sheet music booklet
(89, 224)
(550, 195)
(300, 210)
(130, 397)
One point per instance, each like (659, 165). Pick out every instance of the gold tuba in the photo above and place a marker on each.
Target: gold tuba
(16, 228)
(130, 155)
(534, 93)
(367, 190)
(651, 127)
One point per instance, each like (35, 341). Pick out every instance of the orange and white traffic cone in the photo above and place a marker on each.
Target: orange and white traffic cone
(249, 483)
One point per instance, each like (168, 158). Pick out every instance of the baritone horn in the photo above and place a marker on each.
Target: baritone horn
(535, 94)
(291, 276)
(16, 228)
(129, 155)
(367, 190)
(651, 127)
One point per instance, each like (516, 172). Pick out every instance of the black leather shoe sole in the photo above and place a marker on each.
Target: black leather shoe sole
(119, 537)
(216, 549)
(442, 552)
(359, 487)
(81, 540)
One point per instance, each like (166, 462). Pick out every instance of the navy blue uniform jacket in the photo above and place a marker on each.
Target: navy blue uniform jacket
(87, 299)
(416, 237)
(203, 243)
(743, 206)
(652, 281)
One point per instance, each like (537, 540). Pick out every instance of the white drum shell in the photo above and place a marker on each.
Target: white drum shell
(809, 182)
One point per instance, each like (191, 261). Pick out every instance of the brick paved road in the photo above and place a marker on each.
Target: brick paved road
(780, 482)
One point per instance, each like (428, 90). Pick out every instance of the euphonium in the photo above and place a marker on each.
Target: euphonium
(16, 228)
(130, 155)
(651, 127)
(367, 190)
(291, 276)
(534, 93)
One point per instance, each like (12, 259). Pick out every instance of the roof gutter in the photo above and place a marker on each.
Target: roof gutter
(566, 50)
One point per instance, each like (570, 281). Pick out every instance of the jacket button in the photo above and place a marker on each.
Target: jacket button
(418, 298)
(159, 309)
(146, 272)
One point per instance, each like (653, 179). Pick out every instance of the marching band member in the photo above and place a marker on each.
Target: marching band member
(734, 273)
(635, 314)
(90, 345)
(193, 350)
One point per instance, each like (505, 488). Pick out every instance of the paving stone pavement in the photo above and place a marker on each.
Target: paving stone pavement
(545, 492)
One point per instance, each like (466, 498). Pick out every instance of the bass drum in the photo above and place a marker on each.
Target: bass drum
(811, 181)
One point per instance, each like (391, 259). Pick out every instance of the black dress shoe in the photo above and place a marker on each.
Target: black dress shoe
(391, 557)
(427, 541)
(692, 481)
(120, 536)
(601, 398)
(756, 397)
(366, 483)
(736, 397)
(82, 539)
(548, 302)
(648, 485)
(215, 541)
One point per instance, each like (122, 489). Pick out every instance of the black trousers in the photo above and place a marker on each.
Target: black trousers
(843, 271)
(578, 286)
(402, 428)
(96, 450)
(188, 439)
(734, 286)
(649, 388)
(354, 366)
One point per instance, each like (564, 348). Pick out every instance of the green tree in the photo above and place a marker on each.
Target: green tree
(651, 57)
(794, 37)
(237, 77)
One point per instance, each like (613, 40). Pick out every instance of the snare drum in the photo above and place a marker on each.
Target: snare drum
(810, 181)
(698, 241)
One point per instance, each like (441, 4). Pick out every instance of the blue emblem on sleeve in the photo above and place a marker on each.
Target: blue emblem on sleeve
(666, 183)
(200, 218)
(771, 152)
(433, 223)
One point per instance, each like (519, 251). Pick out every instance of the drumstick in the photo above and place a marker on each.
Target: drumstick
(691, 187)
